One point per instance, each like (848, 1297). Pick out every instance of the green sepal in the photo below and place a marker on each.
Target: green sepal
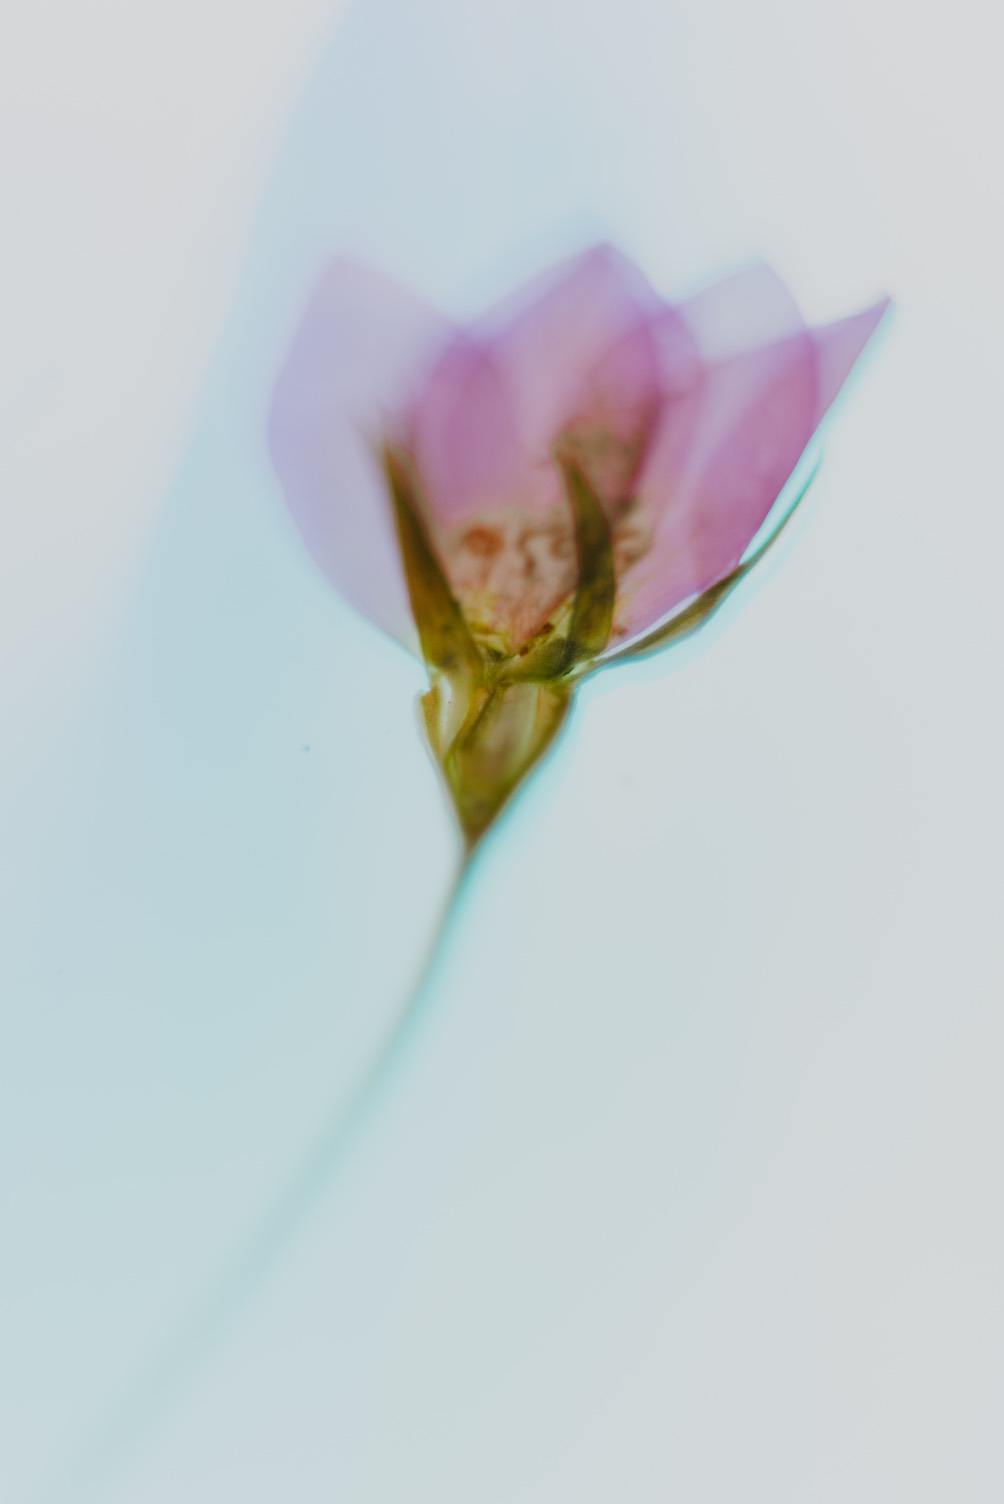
(700, 611)
(545, 659)
(596, 589)
(443, 632)
(508, 729)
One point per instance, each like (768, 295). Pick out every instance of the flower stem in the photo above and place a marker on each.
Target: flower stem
(156, 1392)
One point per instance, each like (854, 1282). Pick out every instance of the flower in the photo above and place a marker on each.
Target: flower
(573, 478)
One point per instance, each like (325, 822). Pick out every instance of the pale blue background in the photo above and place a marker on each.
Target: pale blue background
(687, 1187)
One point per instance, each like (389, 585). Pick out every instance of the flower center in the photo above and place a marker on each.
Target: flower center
(513, 571)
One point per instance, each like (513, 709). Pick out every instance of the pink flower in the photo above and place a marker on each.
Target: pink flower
(575, 475)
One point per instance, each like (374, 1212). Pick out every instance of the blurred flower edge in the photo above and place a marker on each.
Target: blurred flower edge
(572, 479)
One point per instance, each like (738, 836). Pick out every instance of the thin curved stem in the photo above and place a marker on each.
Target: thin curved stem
(234, 1289)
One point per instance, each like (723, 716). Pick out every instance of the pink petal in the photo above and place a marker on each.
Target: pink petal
(486, 415)
(750, 308)
(662, 358)
(613, 416)
(354, 358)
(463, 432)
(716, 471)
(723, 456)
(554, 333)
(582, 359)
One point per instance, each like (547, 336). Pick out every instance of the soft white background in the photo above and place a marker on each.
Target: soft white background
(687, 1188)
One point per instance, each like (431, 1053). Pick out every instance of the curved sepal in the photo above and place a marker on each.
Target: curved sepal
(508, 729)
(443, 632)
(596, 588)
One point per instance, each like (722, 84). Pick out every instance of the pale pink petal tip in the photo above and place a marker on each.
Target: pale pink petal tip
(355, 355)
(838, 346)
(550, 336)
(748, 308)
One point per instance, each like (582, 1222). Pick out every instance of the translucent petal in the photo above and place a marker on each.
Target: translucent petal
(716, 470)
(356, 355)
(725, 451)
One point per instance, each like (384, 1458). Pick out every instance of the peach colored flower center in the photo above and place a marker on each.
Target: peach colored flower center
(514, 571)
